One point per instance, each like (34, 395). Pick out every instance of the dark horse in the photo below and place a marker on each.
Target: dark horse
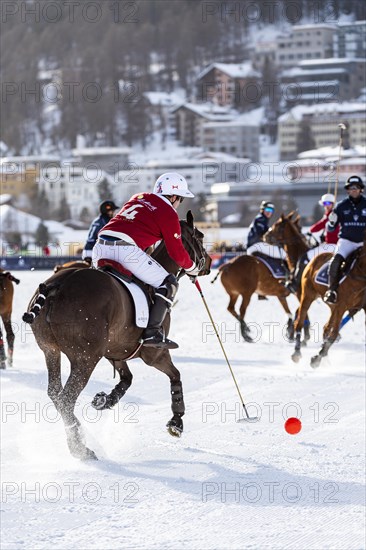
(6, 308)
(351, 297)
(87, 315)
(246, 275)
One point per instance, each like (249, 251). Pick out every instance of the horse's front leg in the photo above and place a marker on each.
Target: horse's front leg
(330, 333)
(103, 401)
(9, 338)
(290, 323)
(161, 360)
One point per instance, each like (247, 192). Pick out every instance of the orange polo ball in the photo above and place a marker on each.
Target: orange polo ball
(293, 426)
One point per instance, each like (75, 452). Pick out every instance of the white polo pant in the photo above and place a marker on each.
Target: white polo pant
(321, 249)
(143, 266)
(345, 247)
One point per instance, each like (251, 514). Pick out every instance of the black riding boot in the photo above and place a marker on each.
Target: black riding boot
(293, 284)
(153, 335)
(330, 297)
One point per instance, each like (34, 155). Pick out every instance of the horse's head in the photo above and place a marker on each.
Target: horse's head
(193, 242)
(285, 230)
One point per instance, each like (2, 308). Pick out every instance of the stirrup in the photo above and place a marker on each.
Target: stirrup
(158, 340)
(330, 297)
(290, 285)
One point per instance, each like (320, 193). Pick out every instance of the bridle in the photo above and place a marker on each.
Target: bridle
(191, 245)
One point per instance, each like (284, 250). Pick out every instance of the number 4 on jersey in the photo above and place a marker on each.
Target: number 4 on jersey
(131, 212)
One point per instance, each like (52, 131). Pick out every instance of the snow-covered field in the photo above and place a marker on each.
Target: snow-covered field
(224, 484)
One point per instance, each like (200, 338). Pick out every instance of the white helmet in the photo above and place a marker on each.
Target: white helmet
(328, 197)
(172, 183)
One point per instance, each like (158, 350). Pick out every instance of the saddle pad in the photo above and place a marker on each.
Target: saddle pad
(322, 276)
(275, 266)
(139, 300)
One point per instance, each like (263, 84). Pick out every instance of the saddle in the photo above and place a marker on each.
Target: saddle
(277, 267)
(141, 293)
(322, 276)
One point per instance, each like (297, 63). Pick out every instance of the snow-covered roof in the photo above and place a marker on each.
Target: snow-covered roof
(235, 70)
(332, 153)
(314, 26)
(210, 111)
(164, 98)
(330, 61)
(30, 158)
(97, 151)
(350, 23)
(252, 118)
(299, 111)
(296, 71)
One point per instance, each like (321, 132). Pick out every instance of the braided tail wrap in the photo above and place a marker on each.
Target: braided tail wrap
(29, 316)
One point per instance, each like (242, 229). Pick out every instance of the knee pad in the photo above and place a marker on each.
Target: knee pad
(168, 289)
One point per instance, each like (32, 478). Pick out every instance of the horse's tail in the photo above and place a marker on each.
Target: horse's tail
(221, 268)
(216, 276)
(29, 316)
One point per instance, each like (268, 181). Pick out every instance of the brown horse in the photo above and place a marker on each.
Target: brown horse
(6, 308)
(79, 264)
(351, 297)
(87, 315)
(246, 275)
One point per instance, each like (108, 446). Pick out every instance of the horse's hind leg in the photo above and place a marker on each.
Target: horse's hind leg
(164, 363)
(2, 352)
(66, 400)
(9, 337)
(103, 401)
(53, 362)
(244, 329)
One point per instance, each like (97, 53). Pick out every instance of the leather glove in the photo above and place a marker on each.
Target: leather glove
(193, 272)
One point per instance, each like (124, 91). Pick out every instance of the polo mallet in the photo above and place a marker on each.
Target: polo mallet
(248, 418)
(342, 128)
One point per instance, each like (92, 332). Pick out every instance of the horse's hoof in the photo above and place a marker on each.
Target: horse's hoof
(315, 361)
(304, 344)
(247, 338)
(89, 455)
(296, 356)
(175, 426)
(3, 365)
(100, 401)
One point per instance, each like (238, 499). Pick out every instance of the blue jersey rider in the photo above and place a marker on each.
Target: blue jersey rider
(350, 214)
(257, 230)
(106, 209)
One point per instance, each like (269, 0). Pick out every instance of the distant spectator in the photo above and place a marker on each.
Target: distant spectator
(106, 209)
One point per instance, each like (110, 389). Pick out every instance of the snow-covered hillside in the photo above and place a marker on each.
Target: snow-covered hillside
(224, 484)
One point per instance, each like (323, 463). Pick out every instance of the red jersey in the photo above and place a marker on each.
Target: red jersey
(147, 218)
(331, 237)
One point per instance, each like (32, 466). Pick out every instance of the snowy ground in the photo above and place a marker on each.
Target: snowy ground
(223, 485)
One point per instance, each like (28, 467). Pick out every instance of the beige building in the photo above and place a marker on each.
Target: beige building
(321, 122)
(20, 175)
(305, 42)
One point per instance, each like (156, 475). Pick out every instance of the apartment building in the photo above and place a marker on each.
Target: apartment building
(230, 84)
(321, 121)
(323, 80)
(238, 137)
(350, 40)
(305, 42)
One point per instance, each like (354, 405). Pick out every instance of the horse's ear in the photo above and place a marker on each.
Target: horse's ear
(289, 216)
(297, 220)
(282, 217)
(190, 218)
